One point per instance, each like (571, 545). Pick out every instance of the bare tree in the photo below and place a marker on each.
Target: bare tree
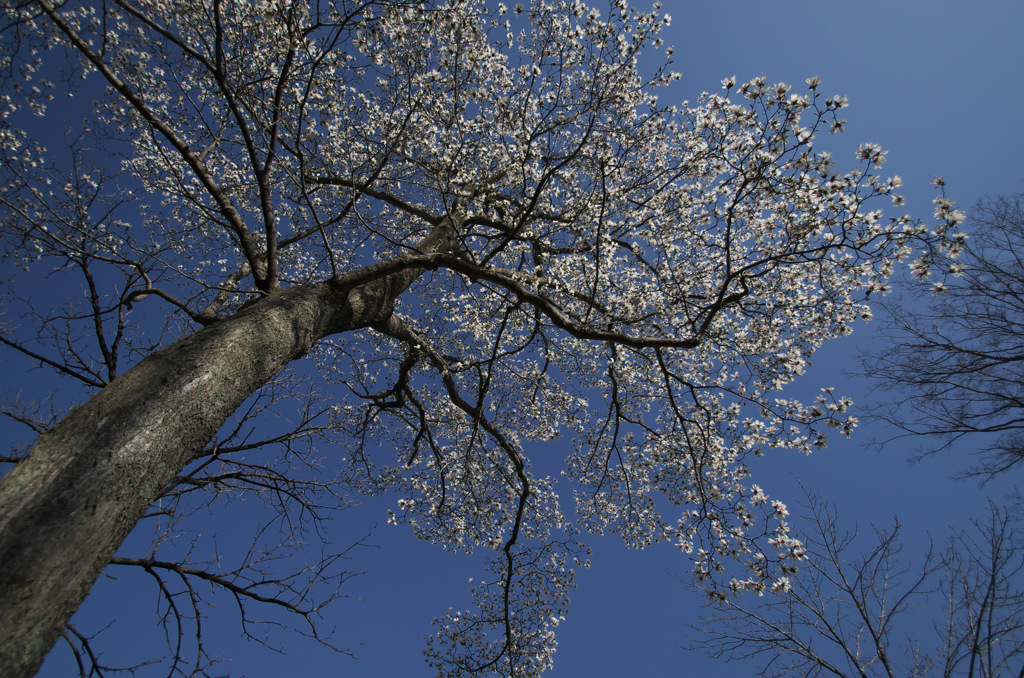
(483, 227)
(955, 350)
(859, 607)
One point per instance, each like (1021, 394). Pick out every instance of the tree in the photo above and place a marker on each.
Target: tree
(955, 349)
(853, 612)
(483, 226)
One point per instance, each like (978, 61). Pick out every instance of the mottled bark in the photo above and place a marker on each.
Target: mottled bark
(65, 510)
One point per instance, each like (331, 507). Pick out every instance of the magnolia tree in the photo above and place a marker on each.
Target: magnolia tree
(486, 229)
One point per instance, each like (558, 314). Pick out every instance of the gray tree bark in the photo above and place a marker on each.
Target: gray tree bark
(66, 509)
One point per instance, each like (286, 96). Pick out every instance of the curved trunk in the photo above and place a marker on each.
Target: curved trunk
(66, 509)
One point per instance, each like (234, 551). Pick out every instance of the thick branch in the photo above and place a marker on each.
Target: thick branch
(195, 163)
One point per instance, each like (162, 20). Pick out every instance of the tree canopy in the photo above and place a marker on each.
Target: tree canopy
(488, 231)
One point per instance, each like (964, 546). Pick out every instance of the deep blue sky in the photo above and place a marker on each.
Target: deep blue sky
(938, 84)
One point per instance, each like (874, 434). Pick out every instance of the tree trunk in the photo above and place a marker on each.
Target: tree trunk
(66, 509)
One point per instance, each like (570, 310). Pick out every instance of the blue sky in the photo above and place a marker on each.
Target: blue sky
(937, 84)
